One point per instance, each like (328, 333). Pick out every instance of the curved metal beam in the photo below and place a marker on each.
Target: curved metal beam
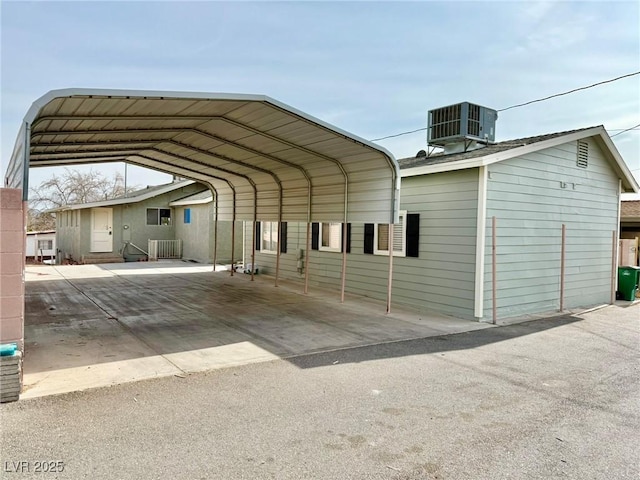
(206, 135)
(231, 186)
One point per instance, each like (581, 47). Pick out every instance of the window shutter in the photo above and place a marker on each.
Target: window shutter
(283, 237)
(348, 240)
(258, 237)
(413, 234)
(368, 237)
(398, 235)
(315, 236)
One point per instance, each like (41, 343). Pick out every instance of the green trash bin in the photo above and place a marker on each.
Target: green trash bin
(628, 282)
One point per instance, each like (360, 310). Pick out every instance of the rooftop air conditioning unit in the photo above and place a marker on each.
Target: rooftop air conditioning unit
(460, 122)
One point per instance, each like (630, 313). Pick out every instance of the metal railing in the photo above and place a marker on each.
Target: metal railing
(165, 249)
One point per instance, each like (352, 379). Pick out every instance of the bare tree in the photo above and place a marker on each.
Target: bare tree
(70, 188)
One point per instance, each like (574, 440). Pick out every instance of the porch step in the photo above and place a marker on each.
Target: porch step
(94, 258)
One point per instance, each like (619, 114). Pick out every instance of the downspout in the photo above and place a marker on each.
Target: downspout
(481, 239)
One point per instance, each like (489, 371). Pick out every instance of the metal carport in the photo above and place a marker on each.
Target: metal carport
(262, 159)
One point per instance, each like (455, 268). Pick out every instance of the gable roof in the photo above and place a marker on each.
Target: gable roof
(199, 198)
(131, 197)
(501, 151)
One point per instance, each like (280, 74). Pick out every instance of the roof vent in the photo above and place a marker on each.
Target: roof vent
(583, 154)
(460, 123)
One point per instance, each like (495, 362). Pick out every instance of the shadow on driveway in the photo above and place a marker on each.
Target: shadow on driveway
(96, 325)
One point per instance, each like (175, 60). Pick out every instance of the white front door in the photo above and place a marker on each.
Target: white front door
(101, 230)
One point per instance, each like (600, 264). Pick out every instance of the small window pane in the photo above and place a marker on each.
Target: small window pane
(331, 236)
(187, 215)
(152, 216)
(383, 236)
(165, 216)
(269, 236)
(45, 244)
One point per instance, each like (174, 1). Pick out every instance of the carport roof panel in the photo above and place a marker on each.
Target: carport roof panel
(245, 140)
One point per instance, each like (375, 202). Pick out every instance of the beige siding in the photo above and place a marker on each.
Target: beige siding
(194, 234)
(198, 237)
(441, 279)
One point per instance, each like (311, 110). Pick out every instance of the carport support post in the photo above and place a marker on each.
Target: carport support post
(233, 241)
(493, 270)
(306, 259)
(215, 235)
(390, 279)
(344, 260)
(278, 252)
(562, 265)
(253, 247)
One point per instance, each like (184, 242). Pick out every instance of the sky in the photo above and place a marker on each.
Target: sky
(371, 68)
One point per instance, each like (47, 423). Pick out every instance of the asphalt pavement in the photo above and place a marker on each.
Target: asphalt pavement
(551, 398)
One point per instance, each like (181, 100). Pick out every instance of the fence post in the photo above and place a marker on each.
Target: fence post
(562, 265)
(614, 261)
(493, 270)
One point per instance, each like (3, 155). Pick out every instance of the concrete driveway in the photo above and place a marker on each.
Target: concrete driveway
(96, 325)
(554, 398)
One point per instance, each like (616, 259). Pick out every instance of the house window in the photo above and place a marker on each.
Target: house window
(268, 237)
(158, 216)
(399, 241)
(45, 244)
(583, 154)
(330, 237)
(187, 215)
(406, 236)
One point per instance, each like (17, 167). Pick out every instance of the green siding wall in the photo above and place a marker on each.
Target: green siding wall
(530, 205)
(441, 279)
(76, 240)
(194, 235)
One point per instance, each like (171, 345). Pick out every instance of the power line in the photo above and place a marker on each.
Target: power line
(527, 103)
(570, 91)
(626, 130)
(399, 134)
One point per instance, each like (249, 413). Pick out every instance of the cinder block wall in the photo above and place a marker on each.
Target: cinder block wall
(12, 260)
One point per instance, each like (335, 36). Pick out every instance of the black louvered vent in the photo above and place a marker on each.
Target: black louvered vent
(583, 154)
(473, 122)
